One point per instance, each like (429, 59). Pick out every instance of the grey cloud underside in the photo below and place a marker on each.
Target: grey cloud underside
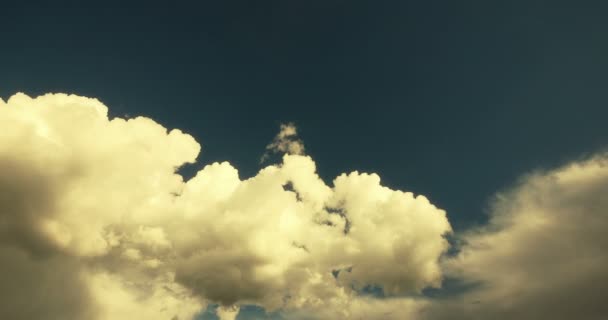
(37, 281)
(42, 288)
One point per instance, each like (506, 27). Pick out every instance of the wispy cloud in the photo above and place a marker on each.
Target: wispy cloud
(285, 142)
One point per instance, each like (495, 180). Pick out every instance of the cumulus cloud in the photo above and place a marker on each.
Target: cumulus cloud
(79, 195)
(92, 207)
(543, 255)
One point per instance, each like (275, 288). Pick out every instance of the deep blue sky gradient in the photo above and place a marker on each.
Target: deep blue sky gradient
(449, 99)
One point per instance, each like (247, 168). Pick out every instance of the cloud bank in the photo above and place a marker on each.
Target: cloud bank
(285, 142)
(96, 224)
(544, 253)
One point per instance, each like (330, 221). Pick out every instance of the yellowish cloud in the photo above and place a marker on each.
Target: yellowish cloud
(542, 255)
(285, 142)
(101, 198)
(96, 224)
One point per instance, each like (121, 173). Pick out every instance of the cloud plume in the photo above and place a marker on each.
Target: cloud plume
(542, 255)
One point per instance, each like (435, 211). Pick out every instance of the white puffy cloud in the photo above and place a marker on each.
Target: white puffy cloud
(121, 297)
(81, 194)
(541, 256)
(99, 199)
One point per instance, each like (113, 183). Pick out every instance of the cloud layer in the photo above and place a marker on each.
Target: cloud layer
(96, 224)
(93, 215)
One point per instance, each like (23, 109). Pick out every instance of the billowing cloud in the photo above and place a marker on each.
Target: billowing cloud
(544, 253)
(92, 208)
(96, 224)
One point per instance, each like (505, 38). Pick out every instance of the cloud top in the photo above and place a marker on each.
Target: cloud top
(542, 255)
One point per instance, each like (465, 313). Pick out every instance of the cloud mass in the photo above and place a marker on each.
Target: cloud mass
(100, 199)
(95, 223)
(285, 142)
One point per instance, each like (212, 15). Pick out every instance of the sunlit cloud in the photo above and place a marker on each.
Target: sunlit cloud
(95, 223)
(100, 198)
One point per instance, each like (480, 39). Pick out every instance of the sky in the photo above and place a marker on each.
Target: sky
(287, 159)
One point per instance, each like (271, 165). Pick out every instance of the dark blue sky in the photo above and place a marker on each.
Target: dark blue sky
(451, 99)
